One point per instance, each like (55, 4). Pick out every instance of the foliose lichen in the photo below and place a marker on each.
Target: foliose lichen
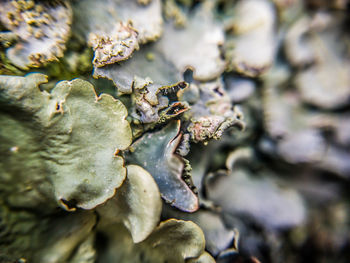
(174, 131)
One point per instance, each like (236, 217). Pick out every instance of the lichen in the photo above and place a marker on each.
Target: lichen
(172, 241)
(174, 131)
(137, 204)
(42, 30)
(70, 123)
(117, 47)
(39, 238)
(145, 18)
(156, 153)
(211, 113)
(250, 50)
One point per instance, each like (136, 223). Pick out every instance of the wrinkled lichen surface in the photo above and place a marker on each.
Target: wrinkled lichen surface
(194, 131)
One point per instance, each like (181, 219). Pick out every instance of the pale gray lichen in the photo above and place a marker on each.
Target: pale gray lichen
(156, 105)
(146, 63)
(196, 46)
(62, 145)
(211, 111)
(318, 42)
(117, 46)
(298, 49)
(42, 30)
(262, 197)
(167, 59)
(250, 51)
(297, 132)
(116, 28)
(289, 123)
(95, 18)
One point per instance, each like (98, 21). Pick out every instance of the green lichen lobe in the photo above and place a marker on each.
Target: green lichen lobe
(79, 135)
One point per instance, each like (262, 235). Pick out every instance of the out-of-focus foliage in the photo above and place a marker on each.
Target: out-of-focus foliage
(250, 50)
(172, 241)
(120, 120)
(57, 237)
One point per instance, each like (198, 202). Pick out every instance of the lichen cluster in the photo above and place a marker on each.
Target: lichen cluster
(174, 131)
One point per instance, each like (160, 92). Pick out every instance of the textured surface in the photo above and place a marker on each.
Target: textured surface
(42, 30)
(55, 238)
(69, 125)
(156, 153)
